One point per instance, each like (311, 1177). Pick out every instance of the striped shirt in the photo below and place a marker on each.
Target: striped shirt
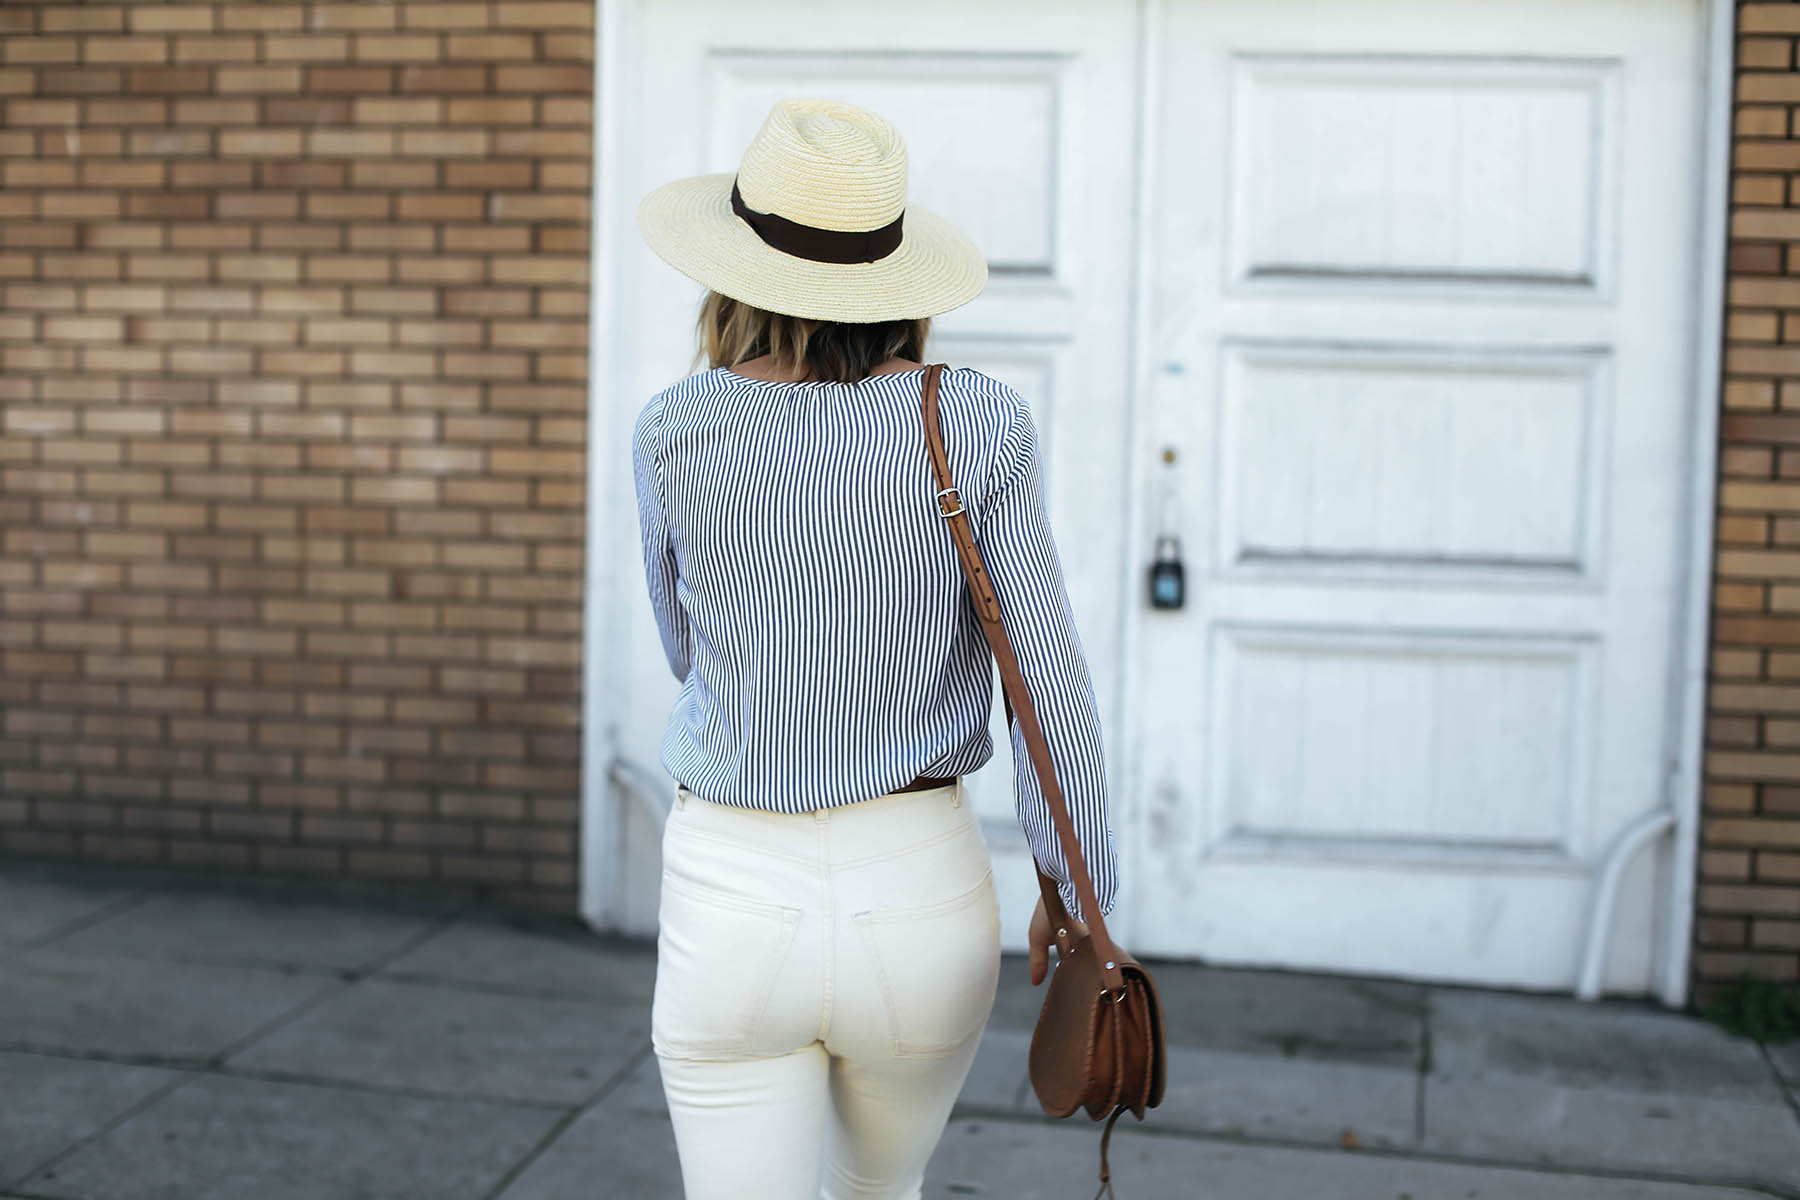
(809, 598)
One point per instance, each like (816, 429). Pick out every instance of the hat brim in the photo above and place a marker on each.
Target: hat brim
(690, 225)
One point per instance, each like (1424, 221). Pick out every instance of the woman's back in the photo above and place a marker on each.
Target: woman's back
(809, 597)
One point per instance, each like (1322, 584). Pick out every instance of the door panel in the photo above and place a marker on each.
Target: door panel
(1014, 117)
(1419, 338)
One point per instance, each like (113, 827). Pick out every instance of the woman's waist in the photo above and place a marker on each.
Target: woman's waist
(919, 783)
(852, 830)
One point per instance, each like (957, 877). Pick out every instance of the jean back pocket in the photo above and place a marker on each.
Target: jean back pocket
(938, 967)
(717, 958)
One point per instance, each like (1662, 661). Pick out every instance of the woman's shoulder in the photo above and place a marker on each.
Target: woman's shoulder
(979, 387)
(669, 399)
(989, 401)
(687, 385)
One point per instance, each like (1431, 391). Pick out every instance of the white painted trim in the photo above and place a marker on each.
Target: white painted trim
(1688, 690)
(1140, 460)
(600, 680)
(1644, 831)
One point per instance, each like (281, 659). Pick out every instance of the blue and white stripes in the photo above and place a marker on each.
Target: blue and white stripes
(808, 597)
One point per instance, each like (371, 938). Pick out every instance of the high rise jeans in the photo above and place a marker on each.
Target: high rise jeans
(822, 981)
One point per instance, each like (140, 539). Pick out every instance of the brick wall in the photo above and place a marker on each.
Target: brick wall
(1748, 914)
(292, 361)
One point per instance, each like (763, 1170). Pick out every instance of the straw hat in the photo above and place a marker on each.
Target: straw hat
(815, 223)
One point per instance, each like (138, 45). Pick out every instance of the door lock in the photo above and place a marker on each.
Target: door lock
(1168, 586)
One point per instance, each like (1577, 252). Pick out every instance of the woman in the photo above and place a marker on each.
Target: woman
(829, 930)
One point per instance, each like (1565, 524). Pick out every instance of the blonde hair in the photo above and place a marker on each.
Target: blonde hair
(732, 332)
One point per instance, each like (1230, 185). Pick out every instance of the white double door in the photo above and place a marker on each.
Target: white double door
(1383, 307)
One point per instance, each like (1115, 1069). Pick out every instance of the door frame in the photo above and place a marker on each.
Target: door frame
(1687, 690)
(610, 780)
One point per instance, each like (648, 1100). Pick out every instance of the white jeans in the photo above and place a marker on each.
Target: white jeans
(822, 982)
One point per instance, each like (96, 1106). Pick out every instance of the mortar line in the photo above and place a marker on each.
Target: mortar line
(49, 938)
(191, 1067)
(347, 979)
(1422, 1089)
(562, 1124)
(155, 1095)
(1790, 1093)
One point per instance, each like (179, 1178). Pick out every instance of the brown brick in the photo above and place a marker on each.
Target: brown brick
(567, 14)
(138, 48)
(1757, 189)
(404, 47)
(568, 110)
(1767, 18)
(260, 143)
(1767, 88)
(1776, 935)
(101, 173)
(262, 17)
(350, 14)
(548, 142)
(30, 173)
(306, 110)
(258, 79)
(319, 48)
(398, 111)
(492, 110)
(442, 143)
(489, 173)
(42, 112)
(171, 18)
(443, 79)
(1751, 899)
(210, 174)
(42, 50)
(492, 47)
(350, 142)
(305, 175)
(215, 49)
(1753, 831)
(1761, 121)
(1728, 932)
(166, 80)
(1765, 53)
(60, 81)
(361, 80)
(444, 15)
(545, 76)
(95, 18)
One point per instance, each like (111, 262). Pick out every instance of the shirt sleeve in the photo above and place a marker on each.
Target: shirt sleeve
(659, 552)
(1022, 560)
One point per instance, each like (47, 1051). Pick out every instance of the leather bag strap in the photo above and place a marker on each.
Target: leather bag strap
(1018, 704)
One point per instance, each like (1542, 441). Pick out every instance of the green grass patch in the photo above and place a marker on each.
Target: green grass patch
(1757, 1008)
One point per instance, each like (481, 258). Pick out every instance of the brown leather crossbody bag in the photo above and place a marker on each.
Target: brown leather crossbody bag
(1098, 1044)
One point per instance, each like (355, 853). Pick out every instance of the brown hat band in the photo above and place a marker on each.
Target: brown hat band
(820, 245)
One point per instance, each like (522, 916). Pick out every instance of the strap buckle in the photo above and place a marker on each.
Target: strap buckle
(942, 512)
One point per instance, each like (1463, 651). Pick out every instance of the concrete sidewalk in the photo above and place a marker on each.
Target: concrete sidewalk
(182, 1040)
